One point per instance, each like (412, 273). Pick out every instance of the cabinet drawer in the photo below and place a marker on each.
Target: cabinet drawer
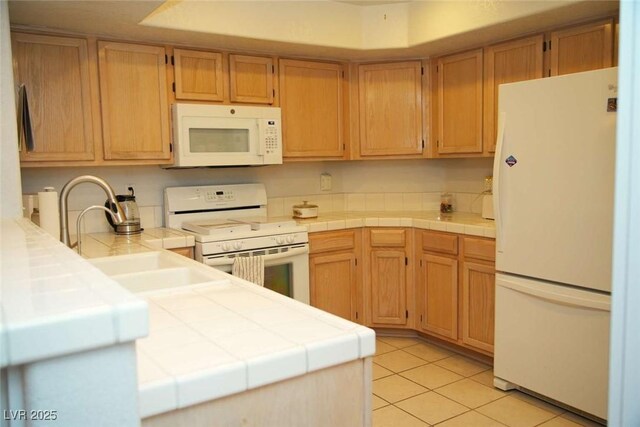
(388, 238)
(440, 242)
(332, 241)
(480, 248)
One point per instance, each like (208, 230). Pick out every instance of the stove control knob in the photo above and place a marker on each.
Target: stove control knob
(290, 238)
(226, 247)
(280, 240)
(237, 245)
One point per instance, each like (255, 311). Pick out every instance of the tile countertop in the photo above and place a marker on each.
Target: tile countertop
(52, 302)
(219, 338)
(458, 222)
(95, 245)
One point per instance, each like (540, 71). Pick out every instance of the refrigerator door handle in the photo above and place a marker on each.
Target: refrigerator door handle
(497, 165)
(558, 297)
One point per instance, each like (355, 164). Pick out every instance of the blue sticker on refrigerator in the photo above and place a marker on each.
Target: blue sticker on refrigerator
(511, 161)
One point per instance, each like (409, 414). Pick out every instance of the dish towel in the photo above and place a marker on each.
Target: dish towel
(250, 268)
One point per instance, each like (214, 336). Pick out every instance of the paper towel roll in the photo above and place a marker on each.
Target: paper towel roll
(49, 213)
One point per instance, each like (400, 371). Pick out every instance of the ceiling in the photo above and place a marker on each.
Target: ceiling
(367, 30)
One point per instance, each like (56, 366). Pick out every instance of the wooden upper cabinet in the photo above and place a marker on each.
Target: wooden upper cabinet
(390, 109)
(507, 62)
(581, 48)
(135, 114)
(459, 103)
(251, 79)
(55, 72)
(311, 96)
(198, 75)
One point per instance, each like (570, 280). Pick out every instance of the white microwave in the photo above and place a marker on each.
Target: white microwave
(226, 135)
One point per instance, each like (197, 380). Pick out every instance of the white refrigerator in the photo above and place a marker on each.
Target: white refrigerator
(553, 202)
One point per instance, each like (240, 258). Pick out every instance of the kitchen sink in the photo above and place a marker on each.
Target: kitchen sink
(136, 263)
(158, 270)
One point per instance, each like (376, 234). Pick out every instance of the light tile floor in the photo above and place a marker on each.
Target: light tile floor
(417, 384)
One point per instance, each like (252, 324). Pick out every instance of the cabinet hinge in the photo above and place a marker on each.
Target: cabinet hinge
(166, 59)
(273, 69)
(274, 92)
(356, 315)
(549, 44)
(171, 147)
(549, 73)
(406, 313)
(437, 143)
(344, 147)
(422, 71)
(437, 68)
(423, 144)
(173, 86)
(342, 73)
(356, 260)
(421, 317)
(406, 261)
(173, 62)
(544, 46)
(420, 263)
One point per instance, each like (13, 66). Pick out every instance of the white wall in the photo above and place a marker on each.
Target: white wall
(10, 200)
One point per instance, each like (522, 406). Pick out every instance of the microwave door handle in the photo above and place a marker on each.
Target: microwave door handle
(261, 137)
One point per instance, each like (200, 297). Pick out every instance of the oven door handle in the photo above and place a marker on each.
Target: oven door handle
(217, 262)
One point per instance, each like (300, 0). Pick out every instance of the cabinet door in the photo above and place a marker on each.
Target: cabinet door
(251, 79)
(460, 103)
(508, 62)
(198, 75)
(390, 109)
(439, 295)
(581, 48)
(332, 283)
(55, 72)
(312, 114)
(478, 305)
(388, 287)
(135, 115)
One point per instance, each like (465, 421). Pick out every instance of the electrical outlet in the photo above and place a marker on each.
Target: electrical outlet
(325, 182)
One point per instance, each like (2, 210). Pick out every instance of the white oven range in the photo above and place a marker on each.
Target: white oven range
(229, 221)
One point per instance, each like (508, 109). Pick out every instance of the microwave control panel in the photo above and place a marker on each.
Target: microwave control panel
(271, 135)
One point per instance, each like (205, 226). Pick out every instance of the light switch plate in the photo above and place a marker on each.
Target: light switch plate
(325, 182)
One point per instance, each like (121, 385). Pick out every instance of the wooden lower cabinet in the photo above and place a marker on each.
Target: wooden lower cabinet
(335, 278)
(438, 279)
(368, 276)
(455, 287)
(388, 282)
(478, 305)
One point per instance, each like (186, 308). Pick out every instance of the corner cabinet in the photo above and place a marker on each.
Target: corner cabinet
(508, 62)
(311, 98)
(335, 275)
(390, 104)
(581, 48)
(135, 113)
(388, 280)
(63, 109)
(457, 104)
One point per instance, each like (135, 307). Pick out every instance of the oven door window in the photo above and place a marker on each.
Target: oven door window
(202, 140)
(279, 278)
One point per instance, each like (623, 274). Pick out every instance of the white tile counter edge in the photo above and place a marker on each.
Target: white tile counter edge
(54, 303)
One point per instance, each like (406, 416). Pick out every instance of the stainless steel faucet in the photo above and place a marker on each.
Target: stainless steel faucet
(118, 216)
